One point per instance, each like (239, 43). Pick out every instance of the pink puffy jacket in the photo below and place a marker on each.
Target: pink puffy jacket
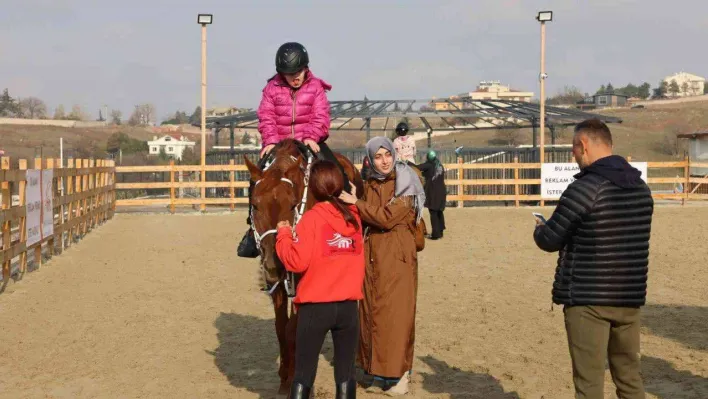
(300, 114)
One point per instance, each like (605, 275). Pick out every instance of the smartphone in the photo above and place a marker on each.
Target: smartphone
(539, 216)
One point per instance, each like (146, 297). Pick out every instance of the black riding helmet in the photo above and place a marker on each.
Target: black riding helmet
(291, 58)
(402, 129)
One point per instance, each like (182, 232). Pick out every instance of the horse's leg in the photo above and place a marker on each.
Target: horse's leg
(280, 305)
(291, 333)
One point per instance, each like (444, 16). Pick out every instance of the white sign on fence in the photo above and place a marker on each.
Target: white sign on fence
(33, 201)
(555, 177)
(47, 205)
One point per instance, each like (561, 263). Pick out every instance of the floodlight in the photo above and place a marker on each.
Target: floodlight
(545, 16)
(204, 19)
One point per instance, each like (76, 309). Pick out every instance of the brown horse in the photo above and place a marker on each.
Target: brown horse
(278, 194)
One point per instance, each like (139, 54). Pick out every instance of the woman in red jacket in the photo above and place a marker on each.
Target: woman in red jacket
(328, 251)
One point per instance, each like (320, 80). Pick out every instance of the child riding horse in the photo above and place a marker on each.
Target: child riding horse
(294, 105)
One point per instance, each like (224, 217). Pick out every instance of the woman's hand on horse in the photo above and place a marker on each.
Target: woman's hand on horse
(348, 198)
(283, 223)
(267, 149)
(313, 145)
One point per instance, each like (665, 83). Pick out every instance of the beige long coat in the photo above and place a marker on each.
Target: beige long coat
(387, 312)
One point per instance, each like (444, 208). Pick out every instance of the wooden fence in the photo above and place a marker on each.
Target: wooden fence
(458, 186)
(83, 196)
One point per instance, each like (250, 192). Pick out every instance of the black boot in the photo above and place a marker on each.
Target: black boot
(299, 391)
(346, 390)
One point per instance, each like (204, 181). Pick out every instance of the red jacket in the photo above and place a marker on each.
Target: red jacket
(328, 251)
(299, 114)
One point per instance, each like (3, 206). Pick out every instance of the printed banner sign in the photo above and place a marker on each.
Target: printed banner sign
(555, 177)
(47, 204)
(33, 201)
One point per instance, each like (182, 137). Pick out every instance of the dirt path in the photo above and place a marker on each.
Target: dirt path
(159, 306)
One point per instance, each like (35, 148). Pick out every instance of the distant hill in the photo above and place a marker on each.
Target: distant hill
(20, 142)
(645, 134)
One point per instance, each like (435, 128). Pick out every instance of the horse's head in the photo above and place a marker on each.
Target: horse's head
(277, 192)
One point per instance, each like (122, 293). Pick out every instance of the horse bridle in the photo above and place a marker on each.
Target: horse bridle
(259, 237)
(289, 280)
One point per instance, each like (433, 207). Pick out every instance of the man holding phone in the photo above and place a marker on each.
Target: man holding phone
(601, 229)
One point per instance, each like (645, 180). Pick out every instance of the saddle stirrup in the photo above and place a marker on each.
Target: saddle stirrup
(290, 284)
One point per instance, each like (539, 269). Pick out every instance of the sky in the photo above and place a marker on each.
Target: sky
(121, 53)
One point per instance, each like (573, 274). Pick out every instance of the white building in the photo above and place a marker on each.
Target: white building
(689, 84)
(494, 90)
(172, 145)
(225, 111)
(486, 90)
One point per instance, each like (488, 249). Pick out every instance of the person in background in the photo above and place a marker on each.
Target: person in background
(294, 105)
(328, 251)
(404, 145)
(435, 193)
(392, 209)
(601, 229)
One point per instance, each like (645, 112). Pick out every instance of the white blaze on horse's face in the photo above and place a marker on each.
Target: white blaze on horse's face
(383, 161)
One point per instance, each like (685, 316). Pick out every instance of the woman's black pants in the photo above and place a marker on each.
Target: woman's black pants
(313, 322)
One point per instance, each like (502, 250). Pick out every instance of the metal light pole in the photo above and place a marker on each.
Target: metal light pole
(204, 20)
(543, 17)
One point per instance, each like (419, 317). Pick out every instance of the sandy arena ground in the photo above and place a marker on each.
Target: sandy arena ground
(159, 306)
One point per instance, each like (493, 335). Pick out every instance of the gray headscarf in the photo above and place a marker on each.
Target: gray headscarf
(407, 181)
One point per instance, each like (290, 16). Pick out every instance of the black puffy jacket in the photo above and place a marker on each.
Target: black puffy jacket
(601, 227)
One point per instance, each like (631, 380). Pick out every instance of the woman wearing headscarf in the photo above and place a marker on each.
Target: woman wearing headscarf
(435, 193)
(391, 208)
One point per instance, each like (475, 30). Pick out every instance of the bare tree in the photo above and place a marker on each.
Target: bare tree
(135, 118)
(509, 133)
(144, 114)
(59, 113)
(561, 131)
(76, 114)
(33, 108)
(116, 116)
(148, 113)
(670, 144)
(569, 95)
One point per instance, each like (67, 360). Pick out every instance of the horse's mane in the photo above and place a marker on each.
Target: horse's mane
(283, 153)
